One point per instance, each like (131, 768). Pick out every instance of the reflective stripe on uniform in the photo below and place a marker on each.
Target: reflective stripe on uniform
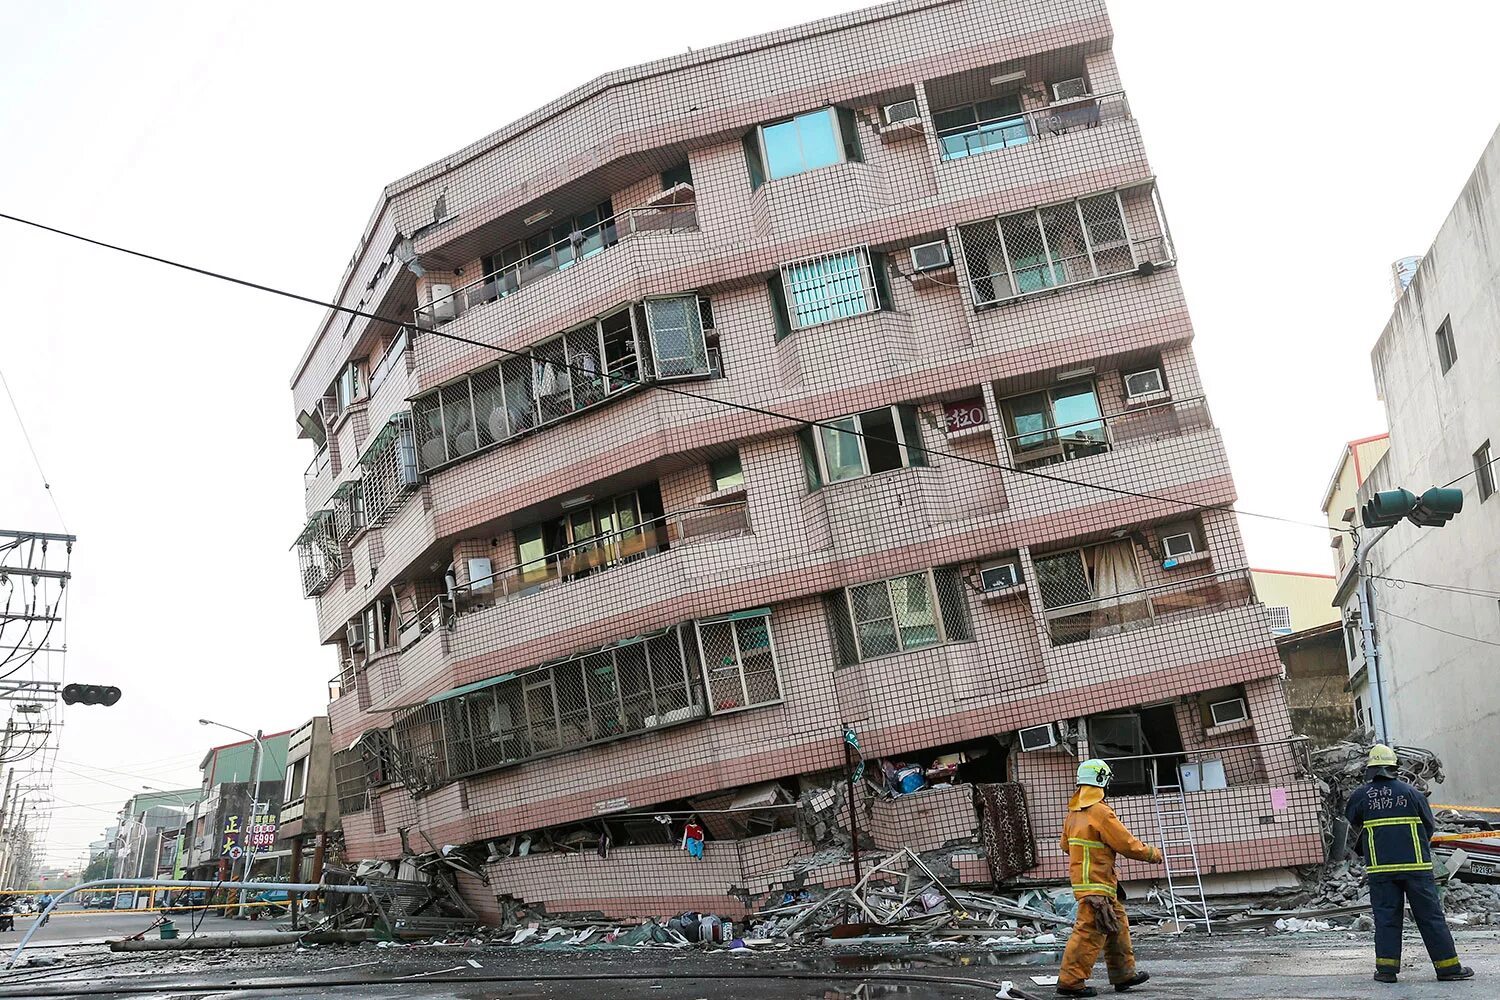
(1086, 887)
(1394, 963)
(1414, 822)
(1446, 963)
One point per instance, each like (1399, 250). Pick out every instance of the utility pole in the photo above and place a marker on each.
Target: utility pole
(249, 834)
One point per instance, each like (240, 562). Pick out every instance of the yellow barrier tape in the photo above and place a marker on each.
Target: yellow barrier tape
(1471, 809)
(1481, 835)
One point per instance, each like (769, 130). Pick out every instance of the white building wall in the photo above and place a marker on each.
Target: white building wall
(1441, 687)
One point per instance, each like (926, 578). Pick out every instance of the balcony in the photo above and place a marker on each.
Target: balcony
(563, 255)
(320, 556)
(1080, 607)
(317, 479)
(603, 552)
(1076, 242)
(1042, 125)
(1098, 434)
(390, 382)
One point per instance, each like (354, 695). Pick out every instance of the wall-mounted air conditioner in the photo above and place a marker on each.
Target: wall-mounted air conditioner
(443, 305)
(1000, 575)
(1176, 546)
(1038, 737)
(1224, 712)
(354, 633)
(1067, 90)
(901, 113)
(930, 256)
(1144, 383)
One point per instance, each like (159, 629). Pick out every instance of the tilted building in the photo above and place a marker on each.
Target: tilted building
(837, 377)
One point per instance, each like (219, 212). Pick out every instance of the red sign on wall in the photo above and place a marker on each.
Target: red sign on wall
(964, 414)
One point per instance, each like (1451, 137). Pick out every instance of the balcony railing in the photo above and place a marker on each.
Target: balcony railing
(604, 551)
(388, 361)
(560, 256)
(1201, 770)
(1105, 615)
(1060, 246)
(316, 468)
(1034, 126)
(1096, 435)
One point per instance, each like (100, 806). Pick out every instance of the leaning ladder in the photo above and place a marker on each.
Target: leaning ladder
(1185, 896)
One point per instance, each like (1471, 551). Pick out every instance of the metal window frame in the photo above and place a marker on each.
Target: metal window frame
(840, 142)
(695, 311)
(739, 659)
(932, 602)
(864, 455)
(1484, 471)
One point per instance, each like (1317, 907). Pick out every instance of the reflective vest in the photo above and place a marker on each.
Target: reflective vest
(1395, 824)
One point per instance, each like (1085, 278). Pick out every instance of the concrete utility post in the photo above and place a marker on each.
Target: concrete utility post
(1366, 591)
(255, 759)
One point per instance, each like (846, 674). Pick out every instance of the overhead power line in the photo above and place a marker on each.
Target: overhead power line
(1427, 625)
(46, 483)
(1397, 583)
(672, 389)
(1474, 471)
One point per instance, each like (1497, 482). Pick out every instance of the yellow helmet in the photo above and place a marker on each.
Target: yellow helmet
(1382, 756)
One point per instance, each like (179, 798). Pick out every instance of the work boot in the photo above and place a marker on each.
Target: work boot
(1135, 980)
(1385, 977)
(1077, 991)
(1455, 974)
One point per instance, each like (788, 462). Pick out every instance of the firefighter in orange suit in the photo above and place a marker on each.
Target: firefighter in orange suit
(1092, 836)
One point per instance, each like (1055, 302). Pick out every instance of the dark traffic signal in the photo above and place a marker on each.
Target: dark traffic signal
(90, 694)
(1432, 509)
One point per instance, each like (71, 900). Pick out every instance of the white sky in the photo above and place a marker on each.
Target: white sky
(1301, 148)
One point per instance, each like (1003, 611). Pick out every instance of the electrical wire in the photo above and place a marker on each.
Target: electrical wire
(1474, 471)
(1426, 625)
(1398, 583)
(671, 389)
(46, 483)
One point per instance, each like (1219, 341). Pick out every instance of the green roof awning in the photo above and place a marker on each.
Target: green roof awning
(459, 692)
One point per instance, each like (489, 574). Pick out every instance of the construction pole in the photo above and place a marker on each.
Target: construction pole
(317, 864)
(849, 770)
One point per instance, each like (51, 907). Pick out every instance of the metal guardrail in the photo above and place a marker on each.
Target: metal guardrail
(1033, 126)
(560, 256)
(388, 361)
(1113, 613)
(1096, 435)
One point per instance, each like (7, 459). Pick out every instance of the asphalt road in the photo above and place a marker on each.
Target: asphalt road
(1246, 966)
(72, 924)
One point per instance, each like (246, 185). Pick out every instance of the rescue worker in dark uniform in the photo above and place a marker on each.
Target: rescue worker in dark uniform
(1391, 824)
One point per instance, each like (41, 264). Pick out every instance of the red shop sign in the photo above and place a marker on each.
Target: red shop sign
(964, 414)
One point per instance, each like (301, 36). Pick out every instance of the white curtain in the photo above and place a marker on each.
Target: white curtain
(1117, 586)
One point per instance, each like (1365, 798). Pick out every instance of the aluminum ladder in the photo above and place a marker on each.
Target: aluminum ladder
(1174, 828)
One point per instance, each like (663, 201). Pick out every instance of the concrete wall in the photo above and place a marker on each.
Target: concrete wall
(1309, 595)
(1440, 675)
(1317, 692)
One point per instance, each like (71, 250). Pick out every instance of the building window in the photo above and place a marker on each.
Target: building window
(739, 661)
(296, 780)
(1446, 348)
(900, 614)
(389, 465)
(557, 248)
(981, 127)
(1281, 619)
(347, 388)
(726, 472)
(1484, 472)
(680, 174)
(588, 537)
(1055, 425)
(830, 287)
(805, 142)
(1093, 591)
(677, 340)
(1353, 641)
(863, 444)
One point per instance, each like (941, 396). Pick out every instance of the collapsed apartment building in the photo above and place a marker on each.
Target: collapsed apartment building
(827, 387)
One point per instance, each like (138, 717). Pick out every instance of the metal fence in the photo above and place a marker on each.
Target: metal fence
(1106, 432)
(1070, 243)
(579, 246)
(648, 682)
(1082, 598)
(1203, 769)
(604, 551)
(1033, 126)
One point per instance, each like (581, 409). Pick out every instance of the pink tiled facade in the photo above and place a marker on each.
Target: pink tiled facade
(550, 618)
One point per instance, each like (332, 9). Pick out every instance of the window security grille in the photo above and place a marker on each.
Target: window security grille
(898, 615)
(348, 507)
(1281, 618)
(319, 555)
(390, 469)
(829, 287)
(1066, 244)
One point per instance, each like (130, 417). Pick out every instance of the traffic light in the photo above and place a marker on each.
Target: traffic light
(1387, 507)
(1437, 507)
(90, 694)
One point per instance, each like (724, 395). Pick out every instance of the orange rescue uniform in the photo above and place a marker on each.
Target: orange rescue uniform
(1092, 836)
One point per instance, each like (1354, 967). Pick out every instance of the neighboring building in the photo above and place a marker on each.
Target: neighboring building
(1295, 601)
(222, 821)
(1437, 622)
(1340, 499)
(1402, 271)
(147, 841)
(1317, 683)
(309, 806)
(564, 603)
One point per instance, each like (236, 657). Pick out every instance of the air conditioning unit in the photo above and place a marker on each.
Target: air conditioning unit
(1224, 712)
(930, 256)
(443, 306)
(1000, 575)
(901, 113)
(1067, 90)
(1144, 383)
(1178, 545)
(354, 633)
(1038, 738)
